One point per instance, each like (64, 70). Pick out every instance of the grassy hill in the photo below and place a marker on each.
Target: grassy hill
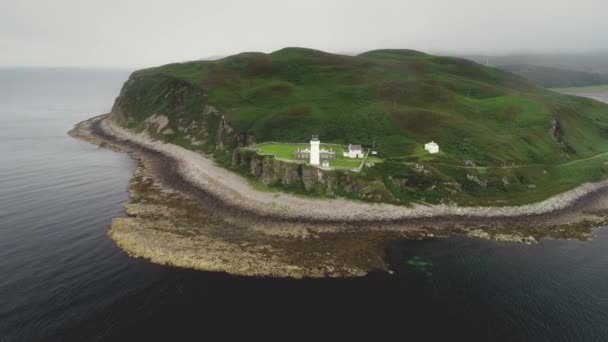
(394, 99)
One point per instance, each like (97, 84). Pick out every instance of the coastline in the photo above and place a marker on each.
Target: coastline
(187, 212)
(201, 172)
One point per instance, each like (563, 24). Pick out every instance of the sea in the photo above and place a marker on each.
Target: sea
(63, 279)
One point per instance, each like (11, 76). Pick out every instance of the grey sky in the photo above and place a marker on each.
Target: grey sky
(129, 33)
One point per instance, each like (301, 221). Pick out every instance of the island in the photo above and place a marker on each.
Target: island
(302, 163)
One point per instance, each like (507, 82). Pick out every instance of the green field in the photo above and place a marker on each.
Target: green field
(285, 151)
(505, 185)
(395, 100)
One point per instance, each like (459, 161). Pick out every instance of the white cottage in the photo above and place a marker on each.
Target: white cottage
(353, 151)
(432, 147)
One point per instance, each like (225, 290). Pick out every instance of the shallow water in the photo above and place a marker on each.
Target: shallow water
(63, 279)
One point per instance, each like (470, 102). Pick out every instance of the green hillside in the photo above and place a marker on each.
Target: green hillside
(394, 99)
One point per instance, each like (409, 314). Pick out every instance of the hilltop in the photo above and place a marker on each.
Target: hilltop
(503, 139)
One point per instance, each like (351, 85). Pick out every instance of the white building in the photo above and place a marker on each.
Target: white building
(315, 153)
(432, 147)
(325, 164)
(354, 151)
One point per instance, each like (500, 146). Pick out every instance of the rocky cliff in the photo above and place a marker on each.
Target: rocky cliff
(175, 111)
(309, 179)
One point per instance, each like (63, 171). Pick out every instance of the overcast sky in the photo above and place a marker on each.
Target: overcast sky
(130, 33)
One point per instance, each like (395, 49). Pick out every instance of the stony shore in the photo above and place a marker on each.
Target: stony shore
(186, 211)
(201, 172)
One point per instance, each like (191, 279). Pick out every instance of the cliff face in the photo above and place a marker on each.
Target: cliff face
(309, 179)
(175, 111)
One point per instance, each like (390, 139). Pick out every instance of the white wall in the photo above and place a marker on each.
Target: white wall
(314, 152)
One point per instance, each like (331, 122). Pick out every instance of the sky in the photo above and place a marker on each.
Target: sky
(134, 33)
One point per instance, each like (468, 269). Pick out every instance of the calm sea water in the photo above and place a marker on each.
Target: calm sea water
(63, 279)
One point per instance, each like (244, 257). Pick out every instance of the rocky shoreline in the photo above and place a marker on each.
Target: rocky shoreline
(187, 212)
(202, 173)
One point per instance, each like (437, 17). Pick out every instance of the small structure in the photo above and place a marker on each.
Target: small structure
(325, 163)
(315, 156)
(432, 147)
(315, 153)
(353, 151)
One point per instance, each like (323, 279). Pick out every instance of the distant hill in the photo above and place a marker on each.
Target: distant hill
(556, 78)
(394, 100)
(554, 71)
(397, 98)
(588, 62)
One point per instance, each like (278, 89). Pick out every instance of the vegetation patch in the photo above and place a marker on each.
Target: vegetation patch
(521, 142)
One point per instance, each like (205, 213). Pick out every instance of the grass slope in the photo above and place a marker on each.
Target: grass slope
(399, 98)
(396, 100)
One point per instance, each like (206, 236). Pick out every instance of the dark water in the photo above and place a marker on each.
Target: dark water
(62, 278)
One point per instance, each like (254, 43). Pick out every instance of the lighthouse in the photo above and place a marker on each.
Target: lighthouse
(314, 150)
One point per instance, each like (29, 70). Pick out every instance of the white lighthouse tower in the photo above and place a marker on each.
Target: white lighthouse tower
(314, 150)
